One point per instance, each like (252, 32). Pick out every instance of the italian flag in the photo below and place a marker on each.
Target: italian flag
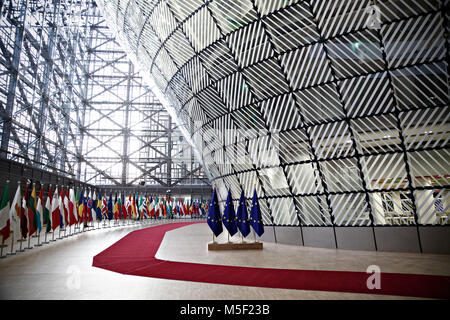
(5, 221)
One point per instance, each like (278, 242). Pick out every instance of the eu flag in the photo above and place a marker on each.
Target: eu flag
(214, 219)
(255, 216)
(229, 216)
(242, 216)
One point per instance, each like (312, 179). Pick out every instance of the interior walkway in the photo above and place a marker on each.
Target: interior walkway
(63, 270)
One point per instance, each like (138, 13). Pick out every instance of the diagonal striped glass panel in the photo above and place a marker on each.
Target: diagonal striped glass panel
(291, 27)
(342, 175)
(392, 208)
(377, 134)
(367, 95)
(414, 41)
(266, 79)
(331, 140)
(428, 128)
(320, 104)
(350, 210)
(430, 168)
(268, 6)
(283, 211)
(433, 206)
(218, 60)
(201, 29)
(304, 178)
(250, 44)
(306, 66)
(355, 54)
(232, 14)
(384, 171)
(294, 146)
(234, 91)
(281, 113)
(313, 210)
(421, 86)
(392, 10)
(338, 17)
(182, 9)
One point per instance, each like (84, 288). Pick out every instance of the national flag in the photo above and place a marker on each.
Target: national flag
(133, 208)
(229, 215)
(76, 203)
(47, 210)
(164, 208)
(202, 209)
(256, 217)
(156, 207)
(32, 218)
(116, 209)
(80, 207)
(141, 206)
(170, 210)
(191, 208)
(65, 199)
(110, 207)
(214, 219)
(98, 208)
(56, 218)
(104, 207)
(89, 206)
(119, 200)
(40, 209)
(128, 206)
(62, 221)
(242, 216)
(72, 214)
(23, 215)
(5, 221)
(124, 209)
(185, 209)
(84, 213)
(149, 201)
(14, 213)
(136, 209)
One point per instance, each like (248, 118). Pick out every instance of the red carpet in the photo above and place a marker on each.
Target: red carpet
(135, 253)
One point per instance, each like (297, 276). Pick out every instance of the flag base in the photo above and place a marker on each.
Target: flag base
(214, 246)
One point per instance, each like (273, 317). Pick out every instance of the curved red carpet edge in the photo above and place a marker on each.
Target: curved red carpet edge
(134, 254)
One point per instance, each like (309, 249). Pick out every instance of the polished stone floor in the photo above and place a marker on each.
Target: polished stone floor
(63, 269)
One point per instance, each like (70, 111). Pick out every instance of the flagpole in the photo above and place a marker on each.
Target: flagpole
(1, 252)
(21, 240)
(12, 244)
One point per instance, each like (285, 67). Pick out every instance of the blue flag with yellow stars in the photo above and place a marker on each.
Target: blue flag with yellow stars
(255, 216)
(229, 216)
(214, 219)
(242, 216)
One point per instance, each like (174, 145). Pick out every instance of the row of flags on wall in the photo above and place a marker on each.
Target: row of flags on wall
(238, 220)
(28, 214)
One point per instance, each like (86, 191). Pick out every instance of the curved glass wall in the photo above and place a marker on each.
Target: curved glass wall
(336, 112)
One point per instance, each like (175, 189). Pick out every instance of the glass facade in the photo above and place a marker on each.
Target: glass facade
(335, 112)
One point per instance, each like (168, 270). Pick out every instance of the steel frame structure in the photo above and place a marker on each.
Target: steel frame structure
(72, 103)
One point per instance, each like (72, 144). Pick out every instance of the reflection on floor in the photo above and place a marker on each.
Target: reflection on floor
(63, 270)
